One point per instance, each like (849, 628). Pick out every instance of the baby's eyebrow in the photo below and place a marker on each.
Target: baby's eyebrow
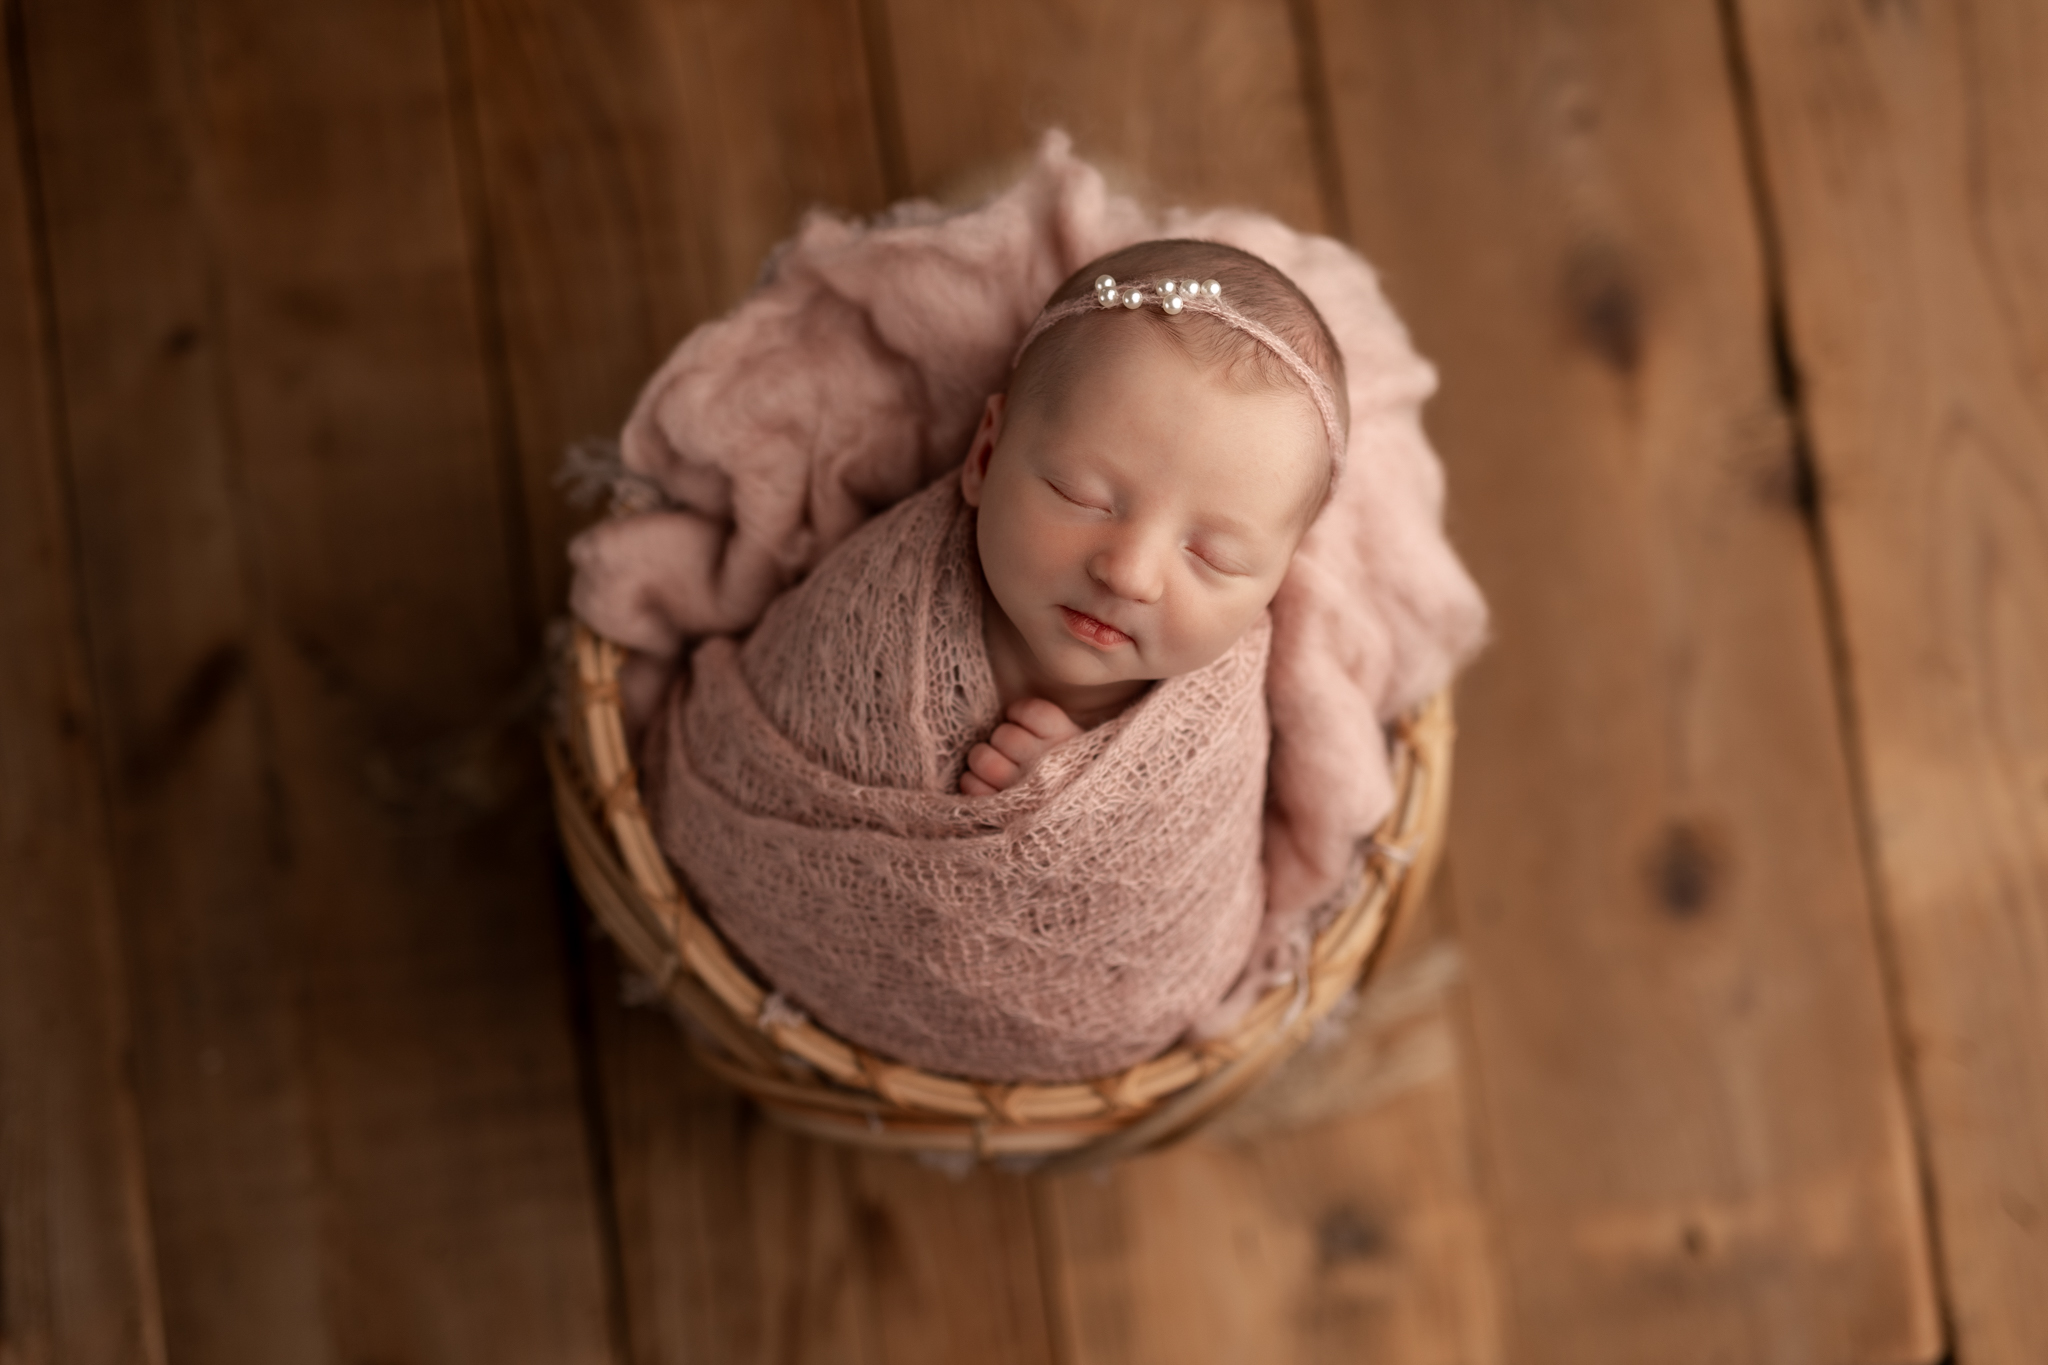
(1222, 523)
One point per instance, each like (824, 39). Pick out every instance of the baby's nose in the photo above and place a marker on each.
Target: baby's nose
(1129, 568)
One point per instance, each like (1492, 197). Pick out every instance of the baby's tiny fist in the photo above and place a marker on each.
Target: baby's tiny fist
(1034, 726)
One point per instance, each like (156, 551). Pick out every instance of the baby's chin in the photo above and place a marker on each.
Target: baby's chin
(1074, 664)
(1060, 666)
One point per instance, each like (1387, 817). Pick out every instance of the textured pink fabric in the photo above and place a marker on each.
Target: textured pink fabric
(854, 374)
(806, 784)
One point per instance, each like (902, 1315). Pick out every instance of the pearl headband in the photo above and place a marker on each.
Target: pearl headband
(1174, 297)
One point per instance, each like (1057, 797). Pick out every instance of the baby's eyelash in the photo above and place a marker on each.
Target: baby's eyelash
(1227, 570)
(1070, 497)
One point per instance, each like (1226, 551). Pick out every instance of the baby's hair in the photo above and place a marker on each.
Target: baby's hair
(1251, 286)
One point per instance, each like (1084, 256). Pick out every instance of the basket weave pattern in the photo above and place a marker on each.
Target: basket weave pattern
(812, 1080)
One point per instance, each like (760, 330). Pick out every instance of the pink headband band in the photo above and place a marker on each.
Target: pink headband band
(1175, 297)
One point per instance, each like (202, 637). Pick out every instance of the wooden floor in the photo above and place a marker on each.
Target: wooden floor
(1726, 1036)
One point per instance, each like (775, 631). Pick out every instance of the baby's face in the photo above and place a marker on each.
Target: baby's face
(1138, 527)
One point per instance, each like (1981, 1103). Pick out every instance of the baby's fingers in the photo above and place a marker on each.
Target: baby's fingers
(970, 785)
(1017, 744)
(1044, 719)
(991, 767)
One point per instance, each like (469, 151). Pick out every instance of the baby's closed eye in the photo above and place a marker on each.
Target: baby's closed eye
(1219, 562)
(1074, 498)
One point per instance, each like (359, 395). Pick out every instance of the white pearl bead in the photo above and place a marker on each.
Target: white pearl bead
(1168, 287)
(1211, 288)
(1174, 303)
(1134, 299)
(1105, 282)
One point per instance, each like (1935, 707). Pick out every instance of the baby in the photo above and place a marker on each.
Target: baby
(923, 796)
(1142, 485)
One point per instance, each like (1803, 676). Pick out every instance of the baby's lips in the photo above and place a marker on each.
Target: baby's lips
(1094, 628)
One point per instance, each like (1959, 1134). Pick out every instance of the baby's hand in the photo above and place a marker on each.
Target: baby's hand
(1034, 726)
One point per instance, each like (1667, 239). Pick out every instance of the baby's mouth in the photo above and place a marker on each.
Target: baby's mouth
(1098, 633)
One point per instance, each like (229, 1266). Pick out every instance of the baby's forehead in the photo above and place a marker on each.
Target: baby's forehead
(1228, 443)
(1099, 354)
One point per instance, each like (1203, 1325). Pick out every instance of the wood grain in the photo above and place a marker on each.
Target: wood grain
(953, 1260)
(77, 1273)
(1333, 1215)
(1695, 1138)
(357, 1083)
(637, 161)
(1903, 152)
(1197, 103)
(224, 1100)
(739, 1243)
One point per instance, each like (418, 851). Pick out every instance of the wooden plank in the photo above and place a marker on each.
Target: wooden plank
(637, 161)
(952, 1259)
(171, 666)
(1697, 1146)
(1903, 153)
(77, 1279)
(1196, 103)
(357, 1082)
(739, 1243)
(1333, 1215)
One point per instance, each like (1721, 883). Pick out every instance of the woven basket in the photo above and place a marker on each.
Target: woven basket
(820, 1084)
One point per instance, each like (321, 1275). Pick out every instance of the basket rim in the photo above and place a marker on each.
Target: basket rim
(810, 1078)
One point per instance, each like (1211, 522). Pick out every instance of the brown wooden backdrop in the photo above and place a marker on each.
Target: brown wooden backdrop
(1725, 1038)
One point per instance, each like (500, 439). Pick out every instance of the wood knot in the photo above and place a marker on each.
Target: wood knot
(874, 1227)
(200, 698)
(1605, 305)
(1687, 868)
(1347, 1233)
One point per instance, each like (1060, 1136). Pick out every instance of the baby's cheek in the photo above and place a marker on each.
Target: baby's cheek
(1009, 550)
(1206, 635)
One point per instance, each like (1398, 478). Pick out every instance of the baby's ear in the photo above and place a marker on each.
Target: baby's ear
(974, 473)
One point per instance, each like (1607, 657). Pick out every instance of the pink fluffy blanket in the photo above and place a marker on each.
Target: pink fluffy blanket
(1071, 926)
(853, 375)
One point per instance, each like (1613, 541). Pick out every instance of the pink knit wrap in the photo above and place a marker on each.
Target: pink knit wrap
(853, 375)
(806, 783)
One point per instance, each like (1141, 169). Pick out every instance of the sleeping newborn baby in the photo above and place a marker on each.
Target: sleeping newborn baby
(984, 791)
(1142, 484)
